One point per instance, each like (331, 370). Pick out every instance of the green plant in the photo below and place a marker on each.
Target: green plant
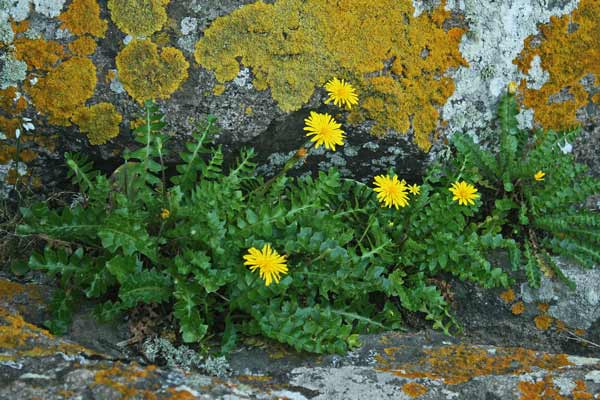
(532, 192)
(138, 237)
(343, 264)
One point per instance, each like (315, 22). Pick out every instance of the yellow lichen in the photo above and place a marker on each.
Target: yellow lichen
(138, 18)
(65, 89)
(414, 389)
(569, 51)
(83, 16)
(100, 122)
(83, 46)
(394, 59)
(148, 74)
(455, 364)
(38, 53)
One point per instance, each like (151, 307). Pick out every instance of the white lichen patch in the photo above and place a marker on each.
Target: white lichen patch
(497, 32)
(12, 71)
(49, 8)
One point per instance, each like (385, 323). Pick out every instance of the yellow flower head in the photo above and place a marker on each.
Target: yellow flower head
(325, 129)
(539, 176)
(512, 87)
(269, 263)
(464, 193)
(414, 189)
(391, 191)
(164, 213)
(341, 93)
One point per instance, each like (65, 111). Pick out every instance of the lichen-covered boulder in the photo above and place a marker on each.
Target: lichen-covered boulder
(393, 365)
(74, 75)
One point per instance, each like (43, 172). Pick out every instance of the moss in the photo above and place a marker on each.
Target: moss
(100, 122)
(138, 18)
(569, 51)
(414, 389)
(83, 46)
(395, 60)
(147, 74)
(65, 89)
(83, 17)
(39, 53)
(455, 364)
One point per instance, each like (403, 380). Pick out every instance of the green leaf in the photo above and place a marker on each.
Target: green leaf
(191, 325)
(148, 286)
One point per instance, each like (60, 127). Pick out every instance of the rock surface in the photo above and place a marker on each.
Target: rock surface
(514, 345)
(69, 52)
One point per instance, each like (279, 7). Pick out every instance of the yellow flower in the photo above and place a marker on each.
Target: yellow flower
(391, 191)
(325, 129)
(341, 93)
(414, 189)
(464, 193)
(512, 87)
(539, 176)
(164, 213)
(269, 263)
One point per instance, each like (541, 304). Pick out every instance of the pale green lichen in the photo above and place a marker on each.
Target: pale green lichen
(13, 71)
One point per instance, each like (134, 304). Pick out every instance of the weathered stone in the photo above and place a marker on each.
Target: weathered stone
(495, 36)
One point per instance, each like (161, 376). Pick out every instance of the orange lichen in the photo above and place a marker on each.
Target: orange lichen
(568, 52)
(100, 122)
(179, 395)
(38, 53)
(540, 390)
(65, 89)
(19, 338)
(138, 18)
(7, 98)
(7, 153)
(27, 155)
(19, 27)
(414, 389)
(543, 322)
(543, 307)
(123, 379)
(8, 126)
(508, 296)
(147, 74)
(394, 59)
(83, 46)
(580, 392)
(457, 364)
(83, 16)
(518, 308)
(110, 75)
